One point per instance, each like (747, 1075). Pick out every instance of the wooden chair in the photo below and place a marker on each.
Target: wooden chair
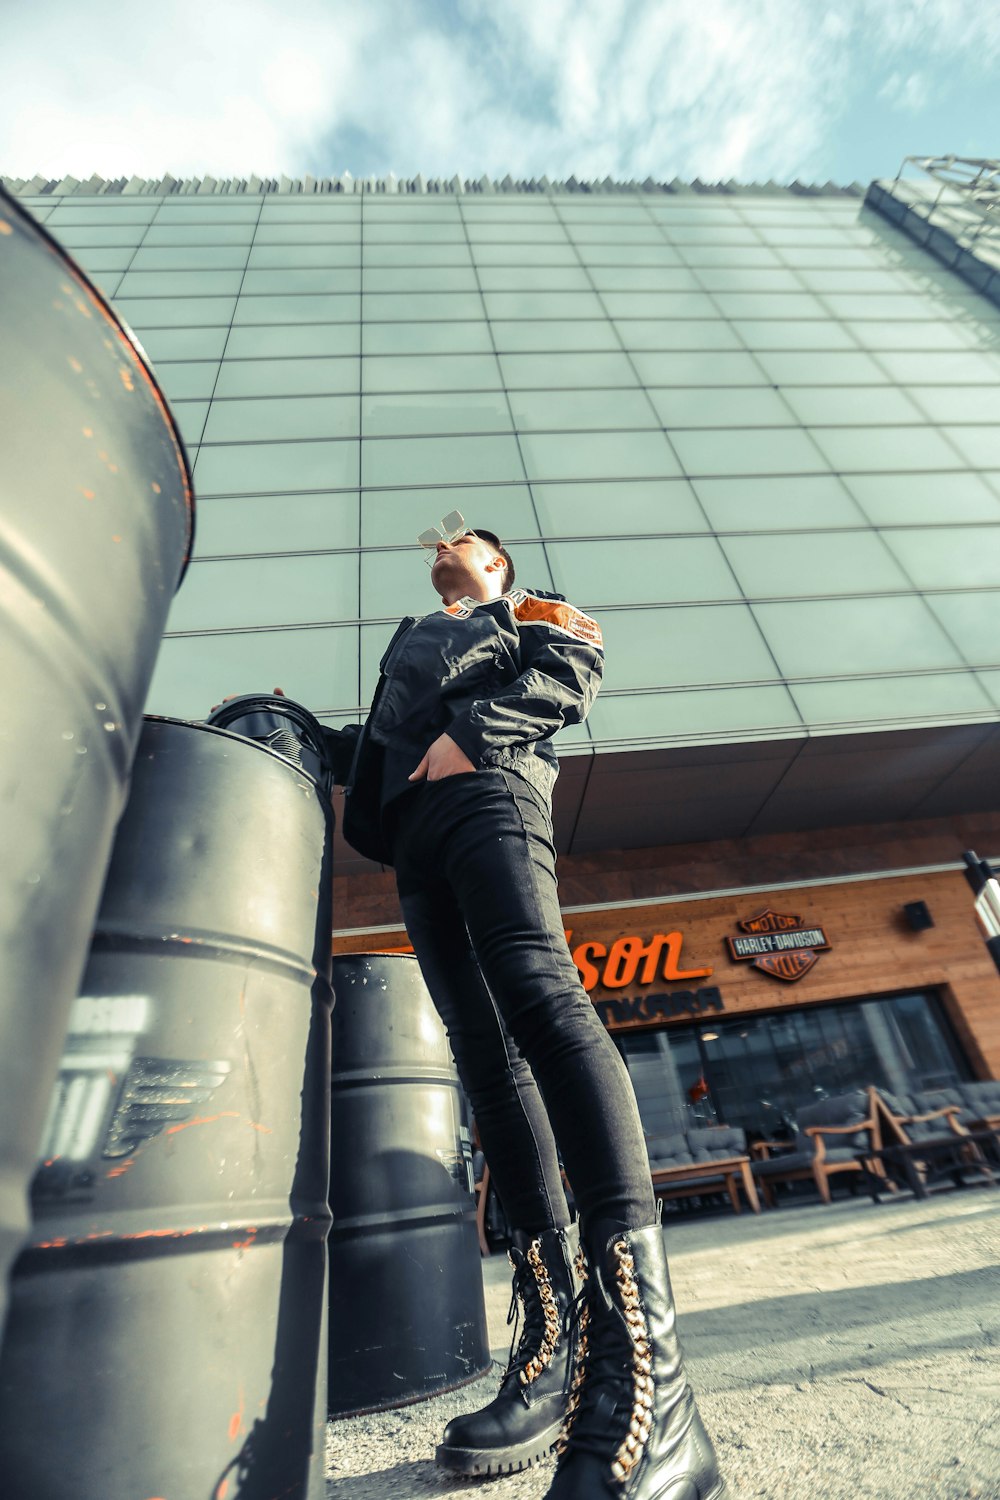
(850, 1121)
(921, 1144)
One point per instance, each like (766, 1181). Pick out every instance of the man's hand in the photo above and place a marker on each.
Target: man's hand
(444, 758)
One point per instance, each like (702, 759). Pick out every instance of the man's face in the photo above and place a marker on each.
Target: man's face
(467, 565)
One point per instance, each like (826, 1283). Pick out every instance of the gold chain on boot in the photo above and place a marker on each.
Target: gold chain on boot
(631, 1449)
(580, 1362)
(550, 1313)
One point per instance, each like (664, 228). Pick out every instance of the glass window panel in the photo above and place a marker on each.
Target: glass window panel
(847, 562)
(271, 523)
(598, 455)
(176, 312)
(747, 279)
(432, 209)
(264, 591)
(747, 450)
(304, 210)
(660, 254)
(428, 338)
(819, 334)
(180, 283)
(912, 499)
(394, 462)
(547, 371)
(207, 234)
(729, 255)
(691, 645)
(930, 336)
(717, 712)
(821, 368)
(837, 637)
(398, 583)
(317, 667)
(723, 236)
(289, 377)
(425, 414)
(184, 343)
(523, 255)
(924, 696)
(417, 231)
(533, 279)
(188, 381)
(190, 258)
(662, 570)
(209, 213)
(191, 419)
(682, 333)
(65, 215)
(549, 335)
(979, 445)
(276, 342)
(697, 368)
(419, 279)
(417, 255)
(638, 278)
(973, 623)
(79, 239)
(932, 368)
(391, 518)
(430, 372)
(543, 305)
(967, 403)
(627, 508)
(539, 212)
(269, 468)
(303, 257)
(329, 279)
(817, 501)
(768, 305)
(709, 406)
(557, 411)
(891, 308)
(835, 278)
(962, 557)
(715, 222)
(281, 418)
(855, 405)
(389, 307)
(304, 308)
(97, 261)
(863, 449)
(629, 234)
(667, 304)
(107, 282)
(507, 233)
(597, 212)
(335, 233)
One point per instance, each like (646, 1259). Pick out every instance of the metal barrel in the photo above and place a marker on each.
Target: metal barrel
(166, 1334)
(96, 517)
(407, 1311)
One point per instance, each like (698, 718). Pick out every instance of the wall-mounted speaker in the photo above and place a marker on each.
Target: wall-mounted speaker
(918, 916)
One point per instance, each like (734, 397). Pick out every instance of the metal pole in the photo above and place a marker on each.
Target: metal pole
(980, 875)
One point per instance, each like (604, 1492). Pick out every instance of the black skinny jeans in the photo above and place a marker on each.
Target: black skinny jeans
(475, 867)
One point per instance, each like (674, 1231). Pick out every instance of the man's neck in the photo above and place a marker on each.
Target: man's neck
(474, 591)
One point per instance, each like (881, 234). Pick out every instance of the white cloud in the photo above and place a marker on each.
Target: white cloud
(709, 88)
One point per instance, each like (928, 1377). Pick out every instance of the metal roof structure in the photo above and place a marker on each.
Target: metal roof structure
(951, 206)
(409, 186)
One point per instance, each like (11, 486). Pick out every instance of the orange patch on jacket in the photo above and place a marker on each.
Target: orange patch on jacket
(532, 611)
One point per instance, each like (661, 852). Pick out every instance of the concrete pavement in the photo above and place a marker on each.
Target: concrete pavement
(838, 1352)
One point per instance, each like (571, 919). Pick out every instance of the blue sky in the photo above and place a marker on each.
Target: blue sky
(748, 89)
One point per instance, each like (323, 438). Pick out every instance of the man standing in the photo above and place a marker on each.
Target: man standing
(450, 781)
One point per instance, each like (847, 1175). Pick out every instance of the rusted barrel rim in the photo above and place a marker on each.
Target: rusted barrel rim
(8, 203)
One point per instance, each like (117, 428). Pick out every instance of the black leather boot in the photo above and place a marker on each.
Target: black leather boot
(521, 1424)
(632, 1429)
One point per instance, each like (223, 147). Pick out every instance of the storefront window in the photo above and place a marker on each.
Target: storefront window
(756, 1071)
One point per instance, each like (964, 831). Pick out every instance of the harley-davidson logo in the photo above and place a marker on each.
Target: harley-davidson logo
(778, 944)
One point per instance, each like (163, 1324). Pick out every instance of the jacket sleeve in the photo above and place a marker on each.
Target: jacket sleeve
(562, 659)
(340, 747)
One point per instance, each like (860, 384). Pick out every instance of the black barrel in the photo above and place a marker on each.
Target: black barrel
(95, 531)
(166, 1334)
(407, 1313)
(283, 725)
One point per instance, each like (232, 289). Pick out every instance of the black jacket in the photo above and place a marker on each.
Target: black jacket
(500, 677)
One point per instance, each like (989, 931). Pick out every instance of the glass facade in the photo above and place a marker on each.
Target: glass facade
(755, 434)
(755, 1071)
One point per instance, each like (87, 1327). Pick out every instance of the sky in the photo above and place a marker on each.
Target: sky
(814, 90)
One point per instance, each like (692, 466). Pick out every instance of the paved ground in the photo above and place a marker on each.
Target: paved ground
(838, 1352)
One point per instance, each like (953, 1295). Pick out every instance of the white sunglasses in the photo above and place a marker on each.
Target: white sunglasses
(452, 527)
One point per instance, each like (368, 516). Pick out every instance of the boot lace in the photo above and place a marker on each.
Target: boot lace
(533, 1294)
(611, 1391)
